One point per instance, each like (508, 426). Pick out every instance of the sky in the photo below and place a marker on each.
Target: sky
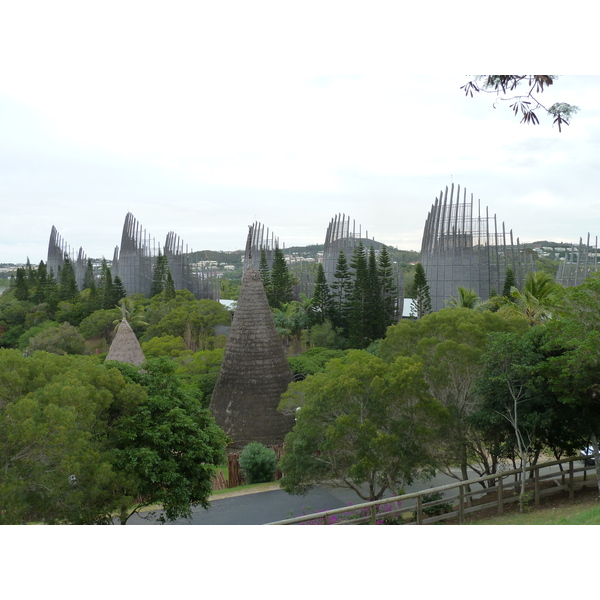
(203, 118)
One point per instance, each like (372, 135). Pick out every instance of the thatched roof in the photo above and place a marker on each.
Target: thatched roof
(125, 347)
(254, 374)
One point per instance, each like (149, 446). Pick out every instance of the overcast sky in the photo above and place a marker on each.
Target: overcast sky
(202, 121)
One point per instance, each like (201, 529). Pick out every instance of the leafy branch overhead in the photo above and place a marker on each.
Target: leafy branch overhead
(525, 98)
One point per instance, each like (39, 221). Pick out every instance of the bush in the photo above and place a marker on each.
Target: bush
(436, 509)
(258, 463)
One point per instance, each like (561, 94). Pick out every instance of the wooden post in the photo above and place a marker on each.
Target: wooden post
(536, 485)
(419, 510)
(325, 520)
(571, 481)
(500, 495)
(461, 497)
(373, 514)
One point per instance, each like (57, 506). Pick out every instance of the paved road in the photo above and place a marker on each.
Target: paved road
(266, 507)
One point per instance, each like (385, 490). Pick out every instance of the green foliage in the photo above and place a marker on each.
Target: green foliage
(321, 307)
(313, 361)
(258, 463)
(64, 339)
(363, 424)
(467, 298)
(80, 440)
(170, 446)
(159, 278)
(165, 345)
(281, 281)
(421, 295)
(449, 344)
(191, 319)
(99, 324)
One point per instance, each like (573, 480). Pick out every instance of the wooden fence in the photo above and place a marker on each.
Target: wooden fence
(544, 479)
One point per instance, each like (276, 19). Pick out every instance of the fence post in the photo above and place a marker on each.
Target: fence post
(325, 520)
(419, 509)
(571, 482)
(536, 484)
(500, 495)
(461, 497)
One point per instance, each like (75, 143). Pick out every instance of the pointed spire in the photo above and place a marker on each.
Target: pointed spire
(125, 347)
(254, 373)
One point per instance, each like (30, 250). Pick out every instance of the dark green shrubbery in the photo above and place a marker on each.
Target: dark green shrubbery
(258, 463)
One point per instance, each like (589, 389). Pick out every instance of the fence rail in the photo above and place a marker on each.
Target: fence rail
(501, 492)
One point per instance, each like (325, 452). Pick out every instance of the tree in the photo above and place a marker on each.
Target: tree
(449, 343)
(55, 416)
(507, 386)
(421, 296)
(64, 339)
(170, 447)
(265, 275)
(281, 281)
(105, 287)
(359, 331)
(509, 283)
(574, 364)
(291, 320)
(534, 300)
(100, 324)
(467, 298)
(341, 289)
(160, 275)
(68, 290)
(118, 290)
(525, 102)
(389, 289)
(169, 290)
(377, 320)
(89, 279)
(193, 320)
(363, 424)
(321, 304)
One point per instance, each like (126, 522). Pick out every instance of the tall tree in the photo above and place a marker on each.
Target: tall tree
(321, 303)
(389, 289)
(118, 290)
(359, 304)
(363, 424)
(281, 280)
(421, 295)
(105, 287)
(169, 447)
(160, 275)
(67, 282)
(450, 343)
(89, 279)
(509, 283)
(265, 274)
(341, 289)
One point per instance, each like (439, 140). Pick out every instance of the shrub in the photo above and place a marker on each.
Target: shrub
(258, 463)
(436, 509)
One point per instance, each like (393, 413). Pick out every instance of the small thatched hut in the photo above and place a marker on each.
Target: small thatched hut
(254, 373)
(125, 347)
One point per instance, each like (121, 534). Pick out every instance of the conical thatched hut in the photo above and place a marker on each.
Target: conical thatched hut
(125, 347)
(254, 373)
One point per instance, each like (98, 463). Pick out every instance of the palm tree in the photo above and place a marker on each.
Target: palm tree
(467, 298)
(533, 300)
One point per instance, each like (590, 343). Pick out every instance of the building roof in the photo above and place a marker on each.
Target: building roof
(125, 347)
